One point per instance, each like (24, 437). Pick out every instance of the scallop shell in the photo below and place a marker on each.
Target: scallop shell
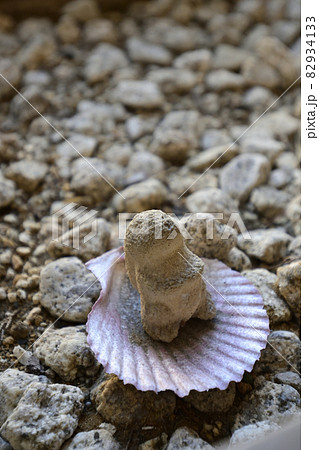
(205, 355)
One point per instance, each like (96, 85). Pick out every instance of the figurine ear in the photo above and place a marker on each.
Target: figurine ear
(205, 355)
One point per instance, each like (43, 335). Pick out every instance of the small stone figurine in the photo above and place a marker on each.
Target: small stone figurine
(166, 274)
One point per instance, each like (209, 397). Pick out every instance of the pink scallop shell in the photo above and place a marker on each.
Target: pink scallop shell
(205, 355)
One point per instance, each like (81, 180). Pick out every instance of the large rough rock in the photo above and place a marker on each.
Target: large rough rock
(276, 308)
(7, 191)
(68, 288)
(146, 53)
(212, 200)
(141, 196)
(269, 245)
(139, 94)
(283, 352)
(13, 384)
(46, 415)
(208, 237)
(288, 285)
(94, 239)
(243, 173)
(95, 178)
(99, 439)
(66, 352)
(252, 431)
(123, 405)
(187, 438)
(213, 157)
(269, 401)
(27, 174)
(103, 61)
(269, 201)
(214, 400)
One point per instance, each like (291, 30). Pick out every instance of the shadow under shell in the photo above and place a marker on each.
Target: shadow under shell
(206, 354)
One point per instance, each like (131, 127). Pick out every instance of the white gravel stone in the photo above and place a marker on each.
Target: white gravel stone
(143, 165)
(267, 245)
(291, 378)
(99, 439)
(65, 281)
(147, 53)
(173, 81)
(138, 126)
(27, 174)
(7, 191)
(270, 401)
(238, 260)
(209, 237)
(94, 239)
(173, 35)
(66, 352)
(213, 157)
(243, 173)
(221, 80)
(212, 200)
(276, 307)
(252, 431)
(103, 61)
(268, 147)
(186, 438)
(13, 384)
(283, 352)
(269, 201)
(196, 60)
(95, 177)
(46, 415)
(143, 94)
(255, 71)
(85, 145)
(82, 10)
(100, 30)
(229, 57)
(141, 196)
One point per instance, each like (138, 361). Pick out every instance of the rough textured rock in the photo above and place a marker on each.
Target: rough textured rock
(197, 60)
(139, 94)
(103, 61)
(252, 431)
(85, 145)
(46, 415)
(173, 81)
(213, 157)
(141, 196)
(94, 239)
(7, 191)
(66, 352)
(99, 439)
(124, 405)
(276, 308)
(220, 80)
(214, 400)
(243, 173)
(238, 260)
(13, 384)
(269, 401)
(269, 201)
(27, 174)
(69, 288)
(288, 285)
(282, 353)
(187, 438)
(293, 213)
(95, 178)
(212, 200)
(143, 165)
(208, 237)
(146, 53)
(267, 245)
(291, 378)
